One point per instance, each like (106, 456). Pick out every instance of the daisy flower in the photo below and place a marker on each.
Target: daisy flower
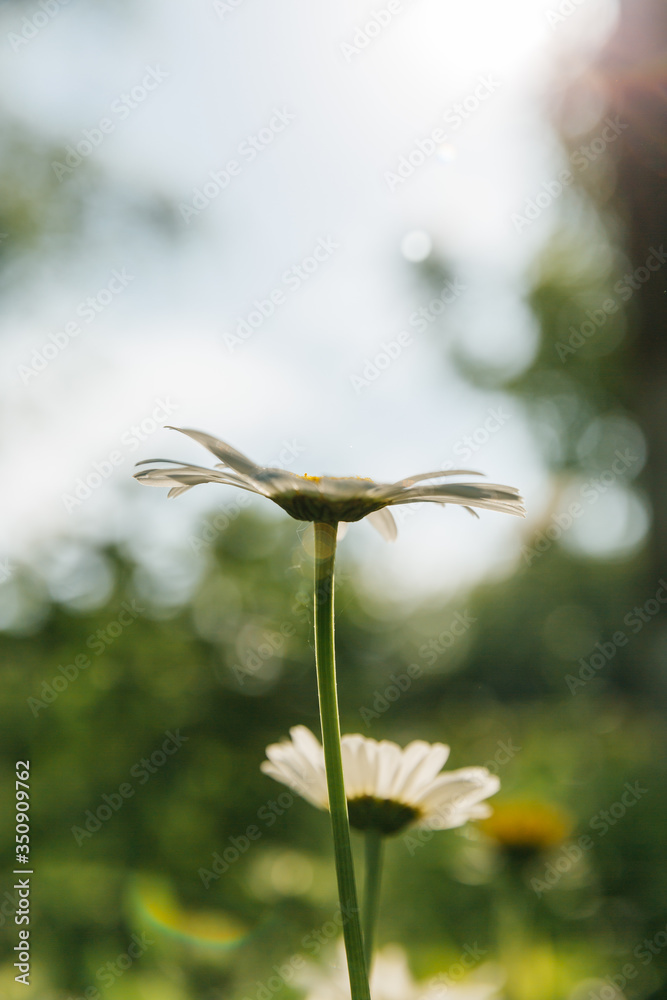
(391, 980)
(328, 499)
(388, 788)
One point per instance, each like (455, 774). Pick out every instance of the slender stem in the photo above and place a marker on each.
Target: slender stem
(325, 554)
(374, 853)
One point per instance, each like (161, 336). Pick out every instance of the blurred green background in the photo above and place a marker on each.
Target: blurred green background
(169, 680)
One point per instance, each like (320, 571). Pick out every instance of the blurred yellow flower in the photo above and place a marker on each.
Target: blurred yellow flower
(525, 827)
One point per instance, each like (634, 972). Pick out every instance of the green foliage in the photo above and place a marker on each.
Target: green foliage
(229, 672)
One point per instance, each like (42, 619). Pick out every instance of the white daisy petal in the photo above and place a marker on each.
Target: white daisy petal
(295, 764)
(410, 777)
(501, 506)
(413, 755)
(421, 763)
(470, 778)
(389, 756)
(451, 798)
(306, 790)
(367, 757)
(391, 979)
(333, 500)
(308, 744)
(360, 780)
(230, 456)
(383, 522)
(354, 766)
(396, 489)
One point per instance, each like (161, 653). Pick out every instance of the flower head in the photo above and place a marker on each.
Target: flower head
(388, 788)
(391, 979)
(522, 829)
(327, 498)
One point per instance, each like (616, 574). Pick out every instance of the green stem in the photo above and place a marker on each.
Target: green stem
(374, 852)
(325, 555)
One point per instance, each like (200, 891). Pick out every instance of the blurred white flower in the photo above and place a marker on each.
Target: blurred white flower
(327, 498)
(388, 788)
(391, 980)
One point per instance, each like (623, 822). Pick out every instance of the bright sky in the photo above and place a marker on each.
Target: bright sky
(347, 140)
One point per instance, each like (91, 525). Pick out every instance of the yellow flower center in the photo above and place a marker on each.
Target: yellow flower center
(318, 479)
(331, 505)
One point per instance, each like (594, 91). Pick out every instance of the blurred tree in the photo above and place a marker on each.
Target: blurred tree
(633, 79)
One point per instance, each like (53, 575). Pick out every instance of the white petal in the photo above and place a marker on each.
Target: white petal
(388, 763)
(453, 798)
(315, 793)
(425, 771)
(504, 507)
(297, 767)
(368, 766)
(352, 767)
(402, 484)
(383, 522)
(467, 780)
(354, 771)
(419, 758)
(391, 978)
(308, 744)
(191, 475)
(230, 456)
